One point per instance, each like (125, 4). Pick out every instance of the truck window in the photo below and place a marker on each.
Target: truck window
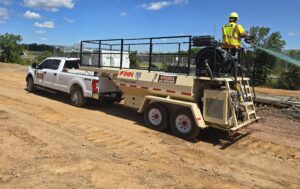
(45, 64)
(51, 64)
(54, 65)
(72, 64)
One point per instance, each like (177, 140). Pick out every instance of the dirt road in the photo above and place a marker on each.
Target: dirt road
(46, 143)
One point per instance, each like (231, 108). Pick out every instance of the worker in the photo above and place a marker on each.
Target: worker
(232, 34)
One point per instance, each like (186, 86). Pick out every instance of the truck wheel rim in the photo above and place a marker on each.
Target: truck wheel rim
(183, 123)
(75, 98)
(155, 117)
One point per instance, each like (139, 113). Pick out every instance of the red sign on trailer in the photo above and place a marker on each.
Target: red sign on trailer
(126, 74)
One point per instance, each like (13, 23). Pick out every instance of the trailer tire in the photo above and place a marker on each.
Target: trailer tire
(156, 116)
(30, 86)
(183, 124)
(76, 97)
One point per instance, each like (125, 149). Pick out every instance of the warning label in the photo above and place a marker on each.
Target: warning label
(167, 79)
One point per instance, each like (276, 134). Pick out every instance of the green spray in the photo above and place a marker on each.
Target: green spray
(280, 55)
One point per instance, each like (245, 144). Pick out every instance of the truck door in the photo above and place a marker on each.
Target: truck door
(40, 73)
(64, 77)
(47, 73)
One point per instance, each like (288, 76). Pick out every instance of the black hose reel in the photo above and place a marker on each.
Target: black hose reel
(212, 60)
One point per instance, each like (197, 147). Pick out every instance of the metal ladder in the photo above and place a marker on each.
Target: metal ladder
(246, 90)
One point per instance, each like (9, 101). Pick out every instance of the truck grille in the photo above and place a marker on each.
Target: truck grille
(214, 108)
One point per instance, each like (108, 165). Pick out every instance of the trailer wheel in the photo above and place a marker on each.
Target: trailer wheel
(77, 98)
(183, 124)
(156, 116)
(30, 86)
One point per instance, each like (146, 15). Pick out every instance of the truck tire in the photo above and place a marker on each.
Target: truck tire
(183, 124)
(77, 98)
(30, 86)
(156, 116)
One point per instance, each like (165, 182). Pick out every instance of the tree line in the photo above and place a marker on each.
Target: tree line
(37, 47)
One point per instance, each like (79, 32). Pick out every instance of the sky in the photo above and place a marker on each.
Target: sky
(66, 22)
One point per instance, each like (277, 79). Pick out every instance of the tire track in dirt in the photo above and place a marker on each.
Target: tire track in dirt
(40, 112)
(4, 115)
(269, 149)
(107, 139)
(18, 131)
(232, 165)
(25, 136)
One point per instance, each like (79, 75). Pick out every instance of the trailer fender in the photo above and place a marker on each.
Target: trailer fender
(191, 105)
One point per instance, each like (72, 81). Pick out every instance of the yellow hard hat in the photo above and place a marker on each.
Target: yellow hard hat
(234, 15)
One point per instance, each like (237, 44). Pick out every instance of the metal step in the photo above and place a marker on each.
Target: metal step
(251, 112)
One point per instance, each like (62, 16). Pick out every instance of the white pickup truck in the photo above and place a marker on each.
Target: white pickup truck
(62, 74)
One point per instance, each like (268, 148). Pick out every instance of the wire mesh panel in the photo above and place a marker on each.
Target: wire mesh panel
(168, 54)
(89, 53)
(139, 52)
(171, 54)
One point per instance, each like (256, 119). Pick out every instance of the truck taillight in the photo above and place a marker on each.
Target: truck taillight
(95, 86)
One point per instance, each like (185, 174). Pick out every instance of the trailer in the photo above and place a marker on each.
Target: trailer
(182, 82)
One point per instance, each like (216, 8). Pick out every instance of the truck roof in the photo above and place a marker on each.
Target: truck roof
(63, 58)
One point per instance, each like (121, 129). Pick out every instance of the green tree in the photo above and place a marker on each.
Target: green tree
(10, 49)
(133, 60)
(43, 56)
(264, 63)
(291, 78)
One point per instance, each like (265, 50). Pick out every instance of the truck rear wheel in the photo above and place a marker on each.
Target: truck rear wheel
(77, 98)
(183, 124)
(30, 86)
(156, 116)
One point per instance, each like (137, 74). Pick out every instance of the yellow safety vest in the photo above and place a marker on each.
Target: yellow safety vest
(232, 35)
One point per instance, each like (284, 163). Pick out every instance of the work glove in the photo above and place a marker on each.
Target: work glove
(249, 38)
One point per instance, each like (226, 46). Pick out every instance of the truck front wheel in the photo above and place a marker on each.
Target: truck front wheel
(77, 98)
(156, 116)
(183, 124)
(30, 86)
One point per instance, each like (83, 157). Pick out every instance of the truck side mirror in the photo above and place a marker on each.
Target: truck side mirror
(34, 65)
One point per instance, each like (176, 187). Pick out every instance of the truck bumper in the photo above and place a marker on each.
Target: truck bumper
(110, 96)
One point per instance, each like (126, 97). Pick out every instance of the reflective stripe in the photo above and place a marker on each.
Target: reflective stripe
(231, 36)
(234, 32)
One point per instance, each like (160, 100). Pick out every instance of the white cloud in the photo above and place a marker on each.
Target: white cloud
(3, 15)
(154, 6)
(124, 14)
(49, 24)
(294, 33)
(40, 31)
(69, 20)
(43, 39)
(32, 15)
(6, 2)
(49, 5)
